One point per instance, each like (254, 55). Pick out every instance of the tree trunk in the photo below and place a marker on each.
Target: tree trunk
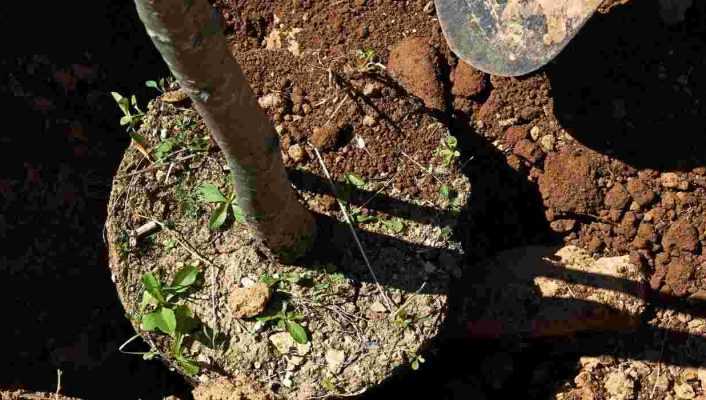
(188, 34)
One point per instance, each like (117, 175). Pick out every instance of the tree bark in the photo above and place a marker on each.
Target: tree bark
(188, 34)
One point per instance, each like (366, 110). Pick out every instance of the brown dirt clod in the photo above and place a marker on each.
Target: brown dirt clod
(326, 137)
(640, 192)
(617, 197)
(568, 182)
(681, 235)
(250, 301)
(468, 81)
(415, 64)
(679, 273)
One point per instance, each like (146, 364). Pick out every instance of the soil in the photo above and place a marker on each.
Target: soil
(601, 149)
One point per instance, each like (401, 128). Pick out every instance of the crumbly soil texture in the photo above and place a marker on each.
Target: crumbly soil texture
(608, 157)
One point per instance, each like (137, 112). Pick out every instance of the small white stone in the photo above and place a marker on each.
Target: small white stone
(270, 100)
(547, 142)
(296, 152)
(534, 133)
(669, 179)
(334, 360)
(282, 341)
(378, 307)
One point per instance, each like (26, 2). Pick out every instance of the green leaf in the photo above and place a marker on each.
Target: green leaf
(444, 191)
(363, 218)
(269, 280)
(133, 101)
(189, 366)
(153, 287)
(162, 318)
(148, 299)
(238, 214)
(292, 316)
(210, 193)
(184, 278)
(451, 142)
(138, 138)
(125, 120)
(218, 217)
(297, 332)
(355, 180)
(185, 321)
(394, 225)
(164, 148)
(123, 103)
(152, 84)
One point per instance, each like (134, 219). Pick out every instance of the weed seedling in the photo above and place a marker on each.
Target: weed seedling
(287, 321)
(416, 360)
(368, 60)
(448, 151)
(209, 193)
(395, 224)
(129, 118)
(167, 316)
(160, 86)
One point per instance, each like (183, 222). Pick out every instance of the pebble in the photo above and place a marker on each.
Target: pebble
(296, 152)
(619, 386)
(547, 142)
(334, 360)
(369, 121)
(669, 180)
(271, 100)
(534, 133)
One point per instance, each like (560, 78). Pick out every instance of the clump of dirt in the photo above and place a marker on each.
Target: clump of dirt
(568, 183)
(468, 81)
(249, 302)
(415, 64)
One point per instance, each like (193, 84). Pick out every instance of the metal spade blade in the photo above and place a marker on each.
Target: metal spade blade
(511, 37)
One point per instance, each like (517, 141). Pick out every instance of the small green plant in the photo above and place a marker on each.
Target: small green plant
(287, 321)
(129, 118)
(209, 193)
(359, 217)
(402, 319)
(160, 86)
(448, 151)
(169, 317)
(454, 200)
(394, 224)
(416, 361)
(368, 60)
(446, 233)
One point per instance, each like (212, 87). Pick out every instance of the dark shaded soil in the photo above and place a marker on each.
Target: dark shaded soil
(58, 152)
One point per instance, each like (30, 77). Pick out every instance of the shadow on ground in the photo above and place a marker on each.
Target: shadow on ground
(60, 307)
(633, 88)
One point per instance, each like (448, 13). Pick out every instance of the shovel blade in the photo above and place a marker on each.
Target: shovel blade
(511, 37)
